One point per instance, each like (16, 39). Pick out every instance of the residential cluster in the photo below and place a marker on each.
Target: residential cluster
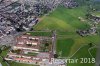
(91, 31)
(94, 18)
(21, 15)
(15, 17)
(37, 50)
(70, 3)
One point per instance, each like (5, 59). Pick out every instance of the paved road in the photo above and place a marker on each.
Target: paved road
(98, 57)
(54, 42)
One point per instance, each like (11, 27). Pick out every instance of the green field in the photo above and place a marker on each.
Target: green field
(66, 22)
(94, 52)
(83, 53)
(96, 14)
(63, 19)
(40, 33)
(20, 64)
(64, 47)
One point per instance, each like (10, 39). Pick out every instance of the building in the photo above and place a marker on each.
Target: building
(30, 49)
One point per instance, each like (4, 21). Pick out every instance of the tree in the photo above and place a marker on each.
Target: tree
(46, 44)
(0, 51)
(55, 55)
(90, 44)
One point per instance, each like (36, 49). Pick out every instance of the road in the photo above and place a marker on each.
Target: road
(98, 57)
(54, 42)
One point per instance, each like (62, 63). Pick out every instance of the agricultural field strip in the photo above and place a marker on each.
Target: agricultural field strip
(68, 36)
